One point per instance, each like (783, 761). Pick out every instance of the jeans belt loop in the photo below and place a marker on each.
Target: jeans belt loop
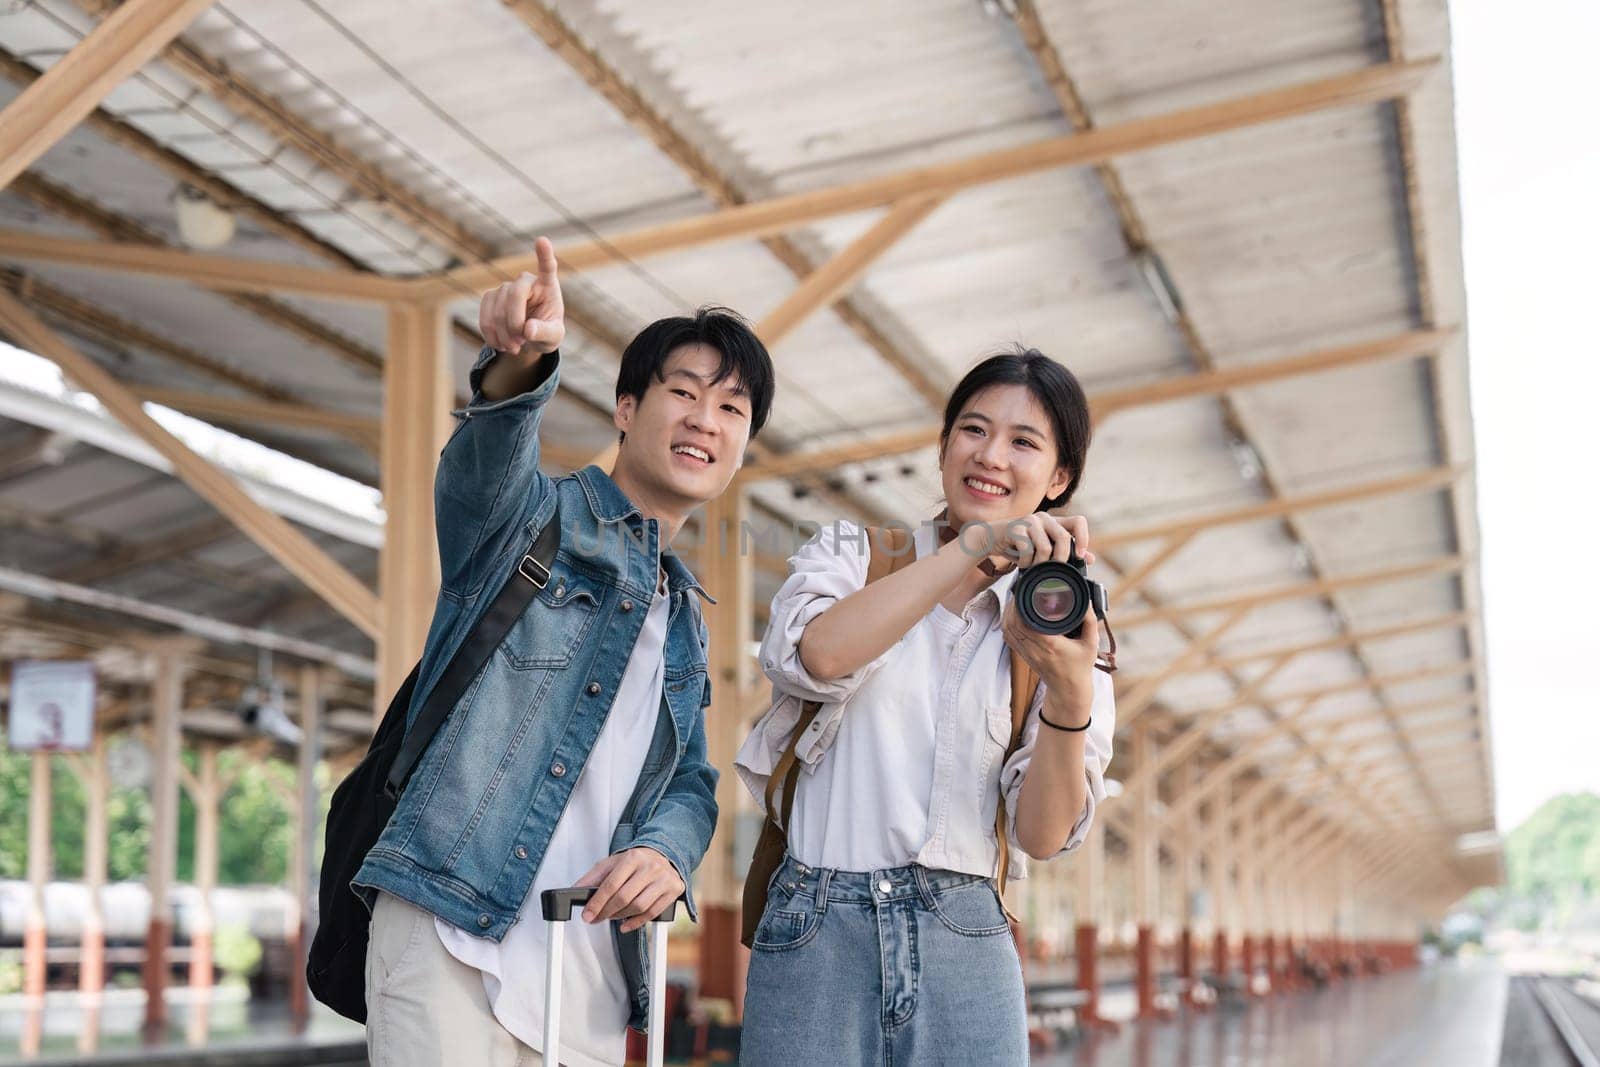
(919, 874)
(824, 876)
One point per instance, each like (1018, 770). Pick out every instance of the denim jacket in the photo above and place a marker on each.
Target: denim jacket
(471, 828)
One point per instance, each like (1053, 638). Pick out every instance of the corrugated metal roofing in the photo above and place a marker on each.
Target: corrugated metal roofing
(1281, 239)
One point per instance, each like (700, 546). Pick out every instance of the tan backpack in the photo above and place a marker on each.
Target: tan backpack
(889, 549)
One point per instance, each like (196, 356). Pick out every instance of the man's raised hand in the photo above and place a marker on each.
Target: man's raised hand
(526, 312)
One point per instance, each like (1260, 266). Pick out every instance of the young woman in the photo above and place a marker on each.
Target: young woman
(884, 940)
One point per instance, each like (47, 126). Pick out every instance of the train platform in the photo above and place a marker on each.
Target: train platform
(1446, 1014)
(1466, 1014)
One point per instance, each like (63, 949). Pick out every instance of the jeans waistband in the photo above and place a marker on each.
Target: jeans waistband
(912, 881)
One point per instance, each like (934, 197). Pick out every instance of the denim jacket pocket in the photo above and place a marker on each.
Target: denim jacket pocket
(555, 624)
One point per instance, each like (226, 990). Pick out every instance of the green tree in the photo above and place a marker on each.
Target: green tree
(1555, 853)
(14, 780)
(256, 829)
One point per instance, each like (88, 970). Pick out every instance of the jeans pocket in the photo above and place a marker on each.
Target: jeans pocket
(791, 918)
(972, 910)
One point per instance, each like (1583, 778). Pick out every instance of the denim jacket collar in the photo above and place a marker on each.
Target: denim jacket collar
(610, 504)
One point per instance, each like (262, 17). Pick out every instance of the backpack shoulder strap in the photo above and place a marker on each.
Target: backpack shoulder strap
(889, 548)
(1024, 684)
(526, 578)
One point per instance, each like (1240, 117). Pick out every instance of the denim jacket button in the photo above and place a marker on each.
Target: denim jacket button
(561, 589)
(522, 852)
(558, 769)
(483, 921)
(626, 605)
(592, 688)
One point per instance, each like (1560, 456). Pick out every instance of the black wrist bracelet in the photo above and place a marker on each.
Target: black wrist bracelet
(1066, 729)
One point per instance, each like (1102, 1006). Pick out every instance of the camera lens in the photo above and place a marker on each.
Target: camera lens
(1053, 597)
(1055, 600)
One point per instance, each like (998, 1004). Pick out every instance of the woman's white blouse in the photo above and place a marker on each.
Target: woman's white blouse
(914, 740)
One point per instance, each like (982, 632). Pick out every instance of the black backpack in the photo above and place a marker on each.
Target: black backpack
(364, 801)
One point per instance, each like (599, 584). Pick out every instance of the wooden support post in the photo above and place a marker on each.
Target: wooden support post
(302, 869)
(164, 742)
(207, 797)
(1145, 850)
(97, 795)
(416, 423)
(1221, 853)
(729, 578)
(1186, 853)
(1246, 893)
(39, 865)
(1089, 897)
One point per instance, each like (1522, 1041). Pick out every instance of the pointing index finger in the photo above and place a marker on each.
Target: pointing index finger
(546, 253)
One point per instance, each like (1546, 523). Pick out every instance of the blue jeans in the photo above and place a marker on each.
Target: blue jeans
(894, 967)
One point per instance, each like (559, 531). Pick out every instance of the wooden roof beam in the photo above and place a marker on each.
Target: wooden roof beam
(640, 110)
(296, 552)
(227, 274)
(1418, 482)
(1103, 403)
(1436, 622)
(784, 213)
(1446, 565)
(74, 86)
(823, 286)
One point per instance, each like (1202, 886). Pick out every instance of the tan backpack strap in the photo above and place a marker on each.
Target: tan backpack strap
(1024, 685)
(787, 772)
(889, 549)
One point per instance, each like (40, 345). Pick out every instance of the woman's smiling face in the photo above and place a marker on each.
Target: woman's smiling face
(1000, 460)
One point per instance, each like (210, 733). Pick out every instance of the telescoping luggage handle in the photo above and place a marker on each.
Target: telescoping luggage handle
(558, 905)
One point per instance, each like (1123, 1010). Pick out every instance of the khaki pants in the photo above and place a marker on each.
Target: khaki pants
(425, 1008)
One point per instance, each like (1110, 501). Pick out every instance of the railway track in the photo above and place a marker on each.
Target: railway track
(1550, 1023)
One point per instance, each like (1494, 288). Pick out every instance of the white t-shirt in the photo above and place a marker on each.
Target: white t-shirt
(594, 998)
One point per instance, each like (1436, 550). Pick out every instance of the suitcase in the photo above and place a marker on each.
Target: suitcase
(558, 905)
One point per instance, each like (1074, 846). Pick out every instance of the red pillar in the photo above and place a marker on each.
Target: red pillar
(1145, 973)
(1086, 943)
(33, 962)
(201, 973)
(1186, 956)
(1219, 955)
(155, 974)
(1247, 962)
(92, 965)
(723, 960)
(1272, 963)
(299, 994)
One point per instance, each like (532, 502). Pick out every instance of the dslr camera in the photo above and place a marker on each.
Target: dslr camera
(1054, 597)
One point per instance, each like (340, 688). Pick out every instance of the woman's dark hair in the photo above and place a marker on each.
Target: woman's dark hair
(1052, 385)
(744, 357)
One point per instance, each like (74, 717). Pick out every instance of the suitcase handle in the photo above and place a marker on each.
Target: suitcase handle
(558, 904)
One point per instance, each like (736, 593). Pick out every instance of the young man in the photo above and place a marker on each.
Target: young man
(578, 756)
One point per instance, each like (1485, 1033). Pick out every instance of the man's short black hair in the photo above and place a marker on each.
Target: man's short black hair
(743, 356)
